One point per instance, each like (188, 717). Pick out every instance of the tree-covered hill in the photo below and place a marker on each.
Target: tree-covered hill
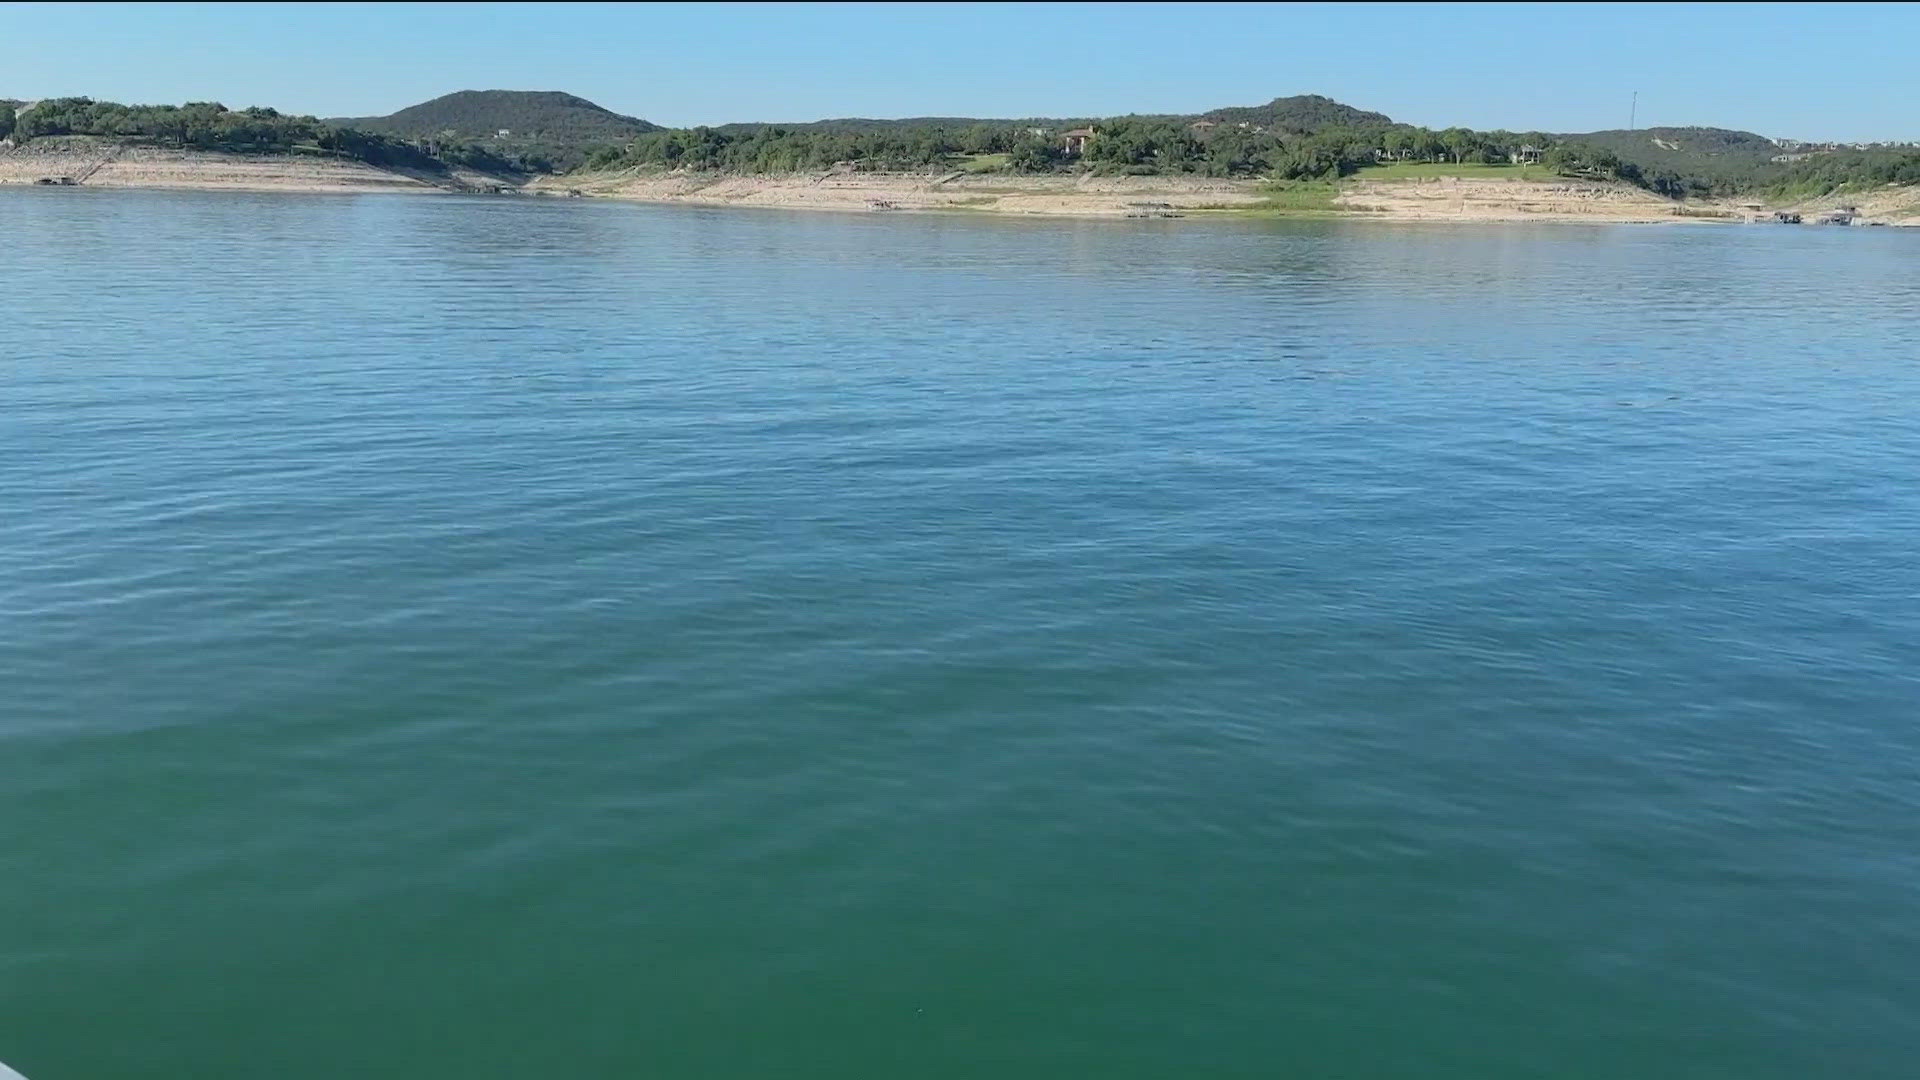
(1691, 161)
(859, 124)
(1685, 141)
(533, 115)
(1708, 160)
(547, 130)
(1302, 114)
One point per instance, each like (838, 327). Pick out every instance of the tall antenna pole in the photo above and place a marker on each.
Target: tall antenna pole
(1633, 110)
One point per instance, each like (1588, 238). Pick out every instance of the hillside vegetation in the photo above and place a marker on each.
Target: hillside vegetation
(1687, 162)
(1301, 114)
(207, 125)
(1298, 138)
(1691, 161)
(1304, 138)
(1859, 170)
(545, 128)
(860, 124)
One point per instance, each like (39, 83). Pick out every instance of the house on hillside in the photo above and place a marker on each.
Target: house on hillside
(1203, 128)
(1075, 142)
(1526, 155)
(502, 133)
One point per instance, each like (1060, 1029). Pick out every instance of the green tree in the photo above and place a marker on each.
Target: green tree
(1035, 154)
(982, 139)
(1460, 143)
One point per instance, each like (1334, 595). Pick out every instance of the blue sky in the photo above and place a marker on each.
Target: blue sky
(1809, 71)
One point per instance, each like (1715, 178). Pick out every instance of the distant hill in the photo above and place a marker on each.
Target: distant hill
(1302, 114)
(532, 116)
(1720, 155)
(1678, 143)
(862, 123)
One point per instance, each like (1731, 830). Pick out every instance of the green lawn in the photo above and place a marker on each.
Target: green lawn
(1429, 170)
(979, 163)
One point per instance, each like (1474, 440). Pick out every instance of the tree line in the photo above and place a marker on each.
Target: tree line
(1148, 146)
(1121, 146)
(1841, 170)
(207, 125)
(776, 149)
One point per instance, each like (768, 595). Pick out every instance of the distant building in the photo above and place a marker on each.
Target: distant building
(1204, 127)
(1526, 155)
(1075, 142)
(502, 133)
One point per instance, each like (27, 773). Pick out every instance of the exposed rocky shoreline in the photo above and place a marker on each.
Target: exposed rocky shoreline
(102, 163)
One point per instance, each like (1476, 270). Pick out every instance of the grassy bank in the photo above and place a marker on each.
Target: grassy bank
(1295, 197)
(1470, 170)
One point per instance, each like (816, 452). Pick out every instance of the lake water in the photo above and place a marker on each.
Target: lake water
(463, 638)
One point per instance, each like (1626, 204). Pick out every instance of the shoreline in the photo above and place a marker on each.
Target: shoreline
(1146, 197)
(1462, 200)
(101, 165)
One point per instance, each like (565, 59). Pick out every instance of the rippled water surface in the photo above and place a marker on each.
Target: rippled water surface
(452, 638)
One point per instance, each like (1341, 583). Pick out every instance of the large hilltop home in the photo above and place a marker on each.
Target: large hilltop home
(1075, 142)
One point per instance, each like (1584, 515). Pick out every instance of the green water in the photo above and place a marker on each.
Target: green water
(461, 638)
